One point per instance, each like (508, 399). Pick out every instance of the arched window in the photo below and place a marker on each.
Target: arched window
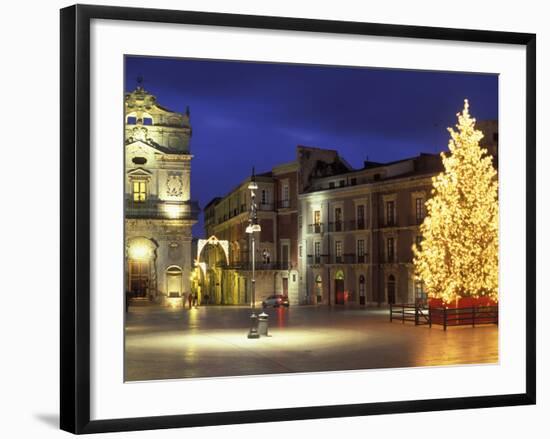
(174, 281)
(173, 270)
(146, 119)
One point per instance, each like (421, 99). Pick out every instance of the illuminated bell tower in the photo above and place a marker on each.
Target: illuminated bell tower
(159, 212)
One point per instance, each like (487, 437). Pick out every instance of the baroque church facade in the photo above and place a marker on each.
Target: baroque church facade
(159, 212)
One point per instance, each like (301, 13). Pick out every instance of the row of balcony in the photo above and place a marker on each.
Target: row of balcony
(266, 207)
(346, 258)
(337, 226)
(350, 226)
(158, 209)
(247, 266)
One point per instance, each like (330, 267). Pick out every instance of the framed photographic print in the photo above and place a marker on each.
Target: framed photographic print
(268, 218)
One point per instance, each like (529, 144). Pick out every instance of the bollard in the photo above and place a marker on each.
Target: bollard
(263, 324)
(253, 332)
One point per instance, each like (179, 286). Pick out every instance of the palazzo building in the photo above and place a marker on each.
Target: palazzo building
(226, 218)
(358, 229)
(159, 212)
(331, 234)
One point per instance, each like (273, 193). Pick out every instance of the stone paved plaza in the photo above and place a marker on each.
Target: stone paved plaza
(169, 343)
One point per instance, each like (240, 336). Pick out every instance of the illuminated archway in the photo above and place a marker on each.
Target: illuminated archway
(212, 278)
(141, 267)
(140, 248)
(213, 241)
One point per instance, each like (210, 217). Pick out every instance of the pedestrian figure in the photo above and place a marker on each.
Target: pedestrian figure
(190, 300)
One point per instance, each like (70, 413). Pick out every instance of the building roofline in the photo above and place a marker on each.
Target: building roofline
(371, 185)
(317, 148)
(285, 167)
(213, 201)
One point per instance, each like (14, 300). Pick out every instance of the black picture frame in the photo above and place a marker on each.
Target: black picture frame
(75, 218)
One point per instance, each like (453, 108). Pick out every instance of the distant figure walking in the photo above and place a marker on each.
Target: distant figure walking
(190, 300)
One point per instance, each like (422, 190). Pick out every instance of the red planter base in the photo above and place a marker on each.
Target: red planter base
(466, 302)
(467, 311)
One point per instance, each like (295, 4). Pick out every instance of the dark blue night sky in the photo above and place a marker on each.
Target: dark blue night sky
(254, 114)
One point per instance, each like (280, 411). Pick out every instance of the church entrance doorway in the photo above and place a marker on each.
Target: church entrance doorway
(139, 277)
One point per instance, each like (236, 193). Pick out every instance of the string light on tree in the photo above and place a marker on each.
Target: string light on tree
(458, 256)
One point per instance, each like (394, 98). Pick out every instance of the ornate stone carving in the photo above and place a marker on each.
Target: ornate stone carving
(174, 185)
(140, 133)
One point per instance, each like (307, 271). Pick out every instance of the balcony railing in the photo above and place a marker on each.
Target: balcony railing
(336, 226)
(345, 226)
(392, 223)
(243, 209)
(315, 228)
(316, 259)
(161, 209)
(347, 258)
(247, 266)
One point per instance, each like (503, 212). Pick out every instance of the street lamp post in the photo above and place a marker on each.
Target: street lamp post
(253, 227)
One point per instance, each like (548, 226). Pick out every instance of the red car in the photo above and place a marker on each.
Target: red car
(276, 300)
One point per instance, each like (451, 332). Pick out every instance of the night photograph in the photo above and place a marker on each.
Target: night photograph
(286, 218)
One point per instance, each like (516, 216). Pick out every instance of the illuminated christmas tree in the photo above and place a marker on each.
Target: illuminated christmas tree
(458, 256)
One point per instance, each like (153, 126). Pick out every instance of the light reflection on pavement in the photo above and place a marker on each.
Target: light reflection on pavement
(168, 343)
